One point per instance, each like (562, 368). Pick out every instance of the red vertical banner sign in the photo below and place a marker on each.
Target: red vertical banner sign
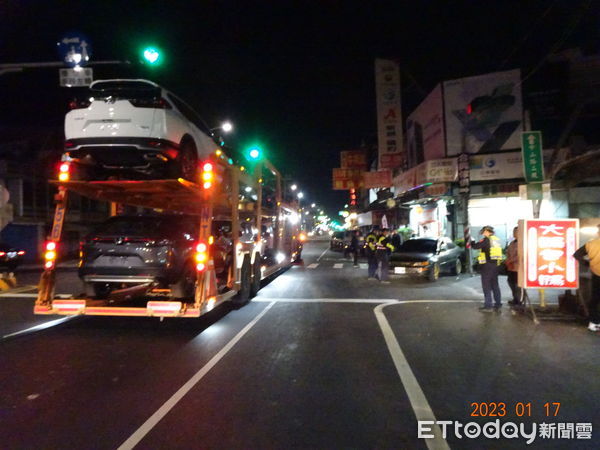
(546, 254)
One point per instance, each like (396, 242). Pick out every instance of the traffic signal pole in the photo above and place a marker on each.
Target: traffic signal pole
(20, 67)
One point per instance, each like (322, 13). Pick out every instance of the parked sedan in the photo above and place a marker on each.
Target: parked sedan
(427, 257)
(10, 257)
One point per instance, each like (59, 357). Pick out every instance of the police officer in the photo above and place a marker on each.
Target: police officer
(370, 247)
(490, 257)
(383, 250)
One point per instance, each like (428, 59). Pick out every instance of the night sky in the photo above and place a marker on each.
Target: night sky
(295, 76)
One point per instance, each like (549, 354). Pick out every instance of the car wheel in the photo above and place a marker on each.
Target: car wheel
(457, 269)
(243, 295)
(434, 272)
(256, 275)
(187, 162)
(185, 287)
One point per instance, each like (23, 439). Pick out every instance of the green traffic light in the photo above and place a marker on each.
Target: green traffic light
(152, 55)
(254, 153)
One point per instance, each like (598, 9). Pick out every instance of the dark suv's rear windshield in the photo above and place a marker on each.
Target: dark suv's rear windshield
(124, 90)
(138, 226)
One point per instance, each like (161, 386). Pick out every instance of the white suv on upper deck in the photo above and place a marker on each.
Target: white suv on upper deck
(135, 129)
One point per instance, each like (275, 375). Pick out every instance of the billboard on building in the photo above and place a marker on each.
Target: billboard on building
(546, 254)
(425, 137)
(484, 114)
(353, 159)
(389, 114)
(499, 166)
(345, 179)
(377, 179)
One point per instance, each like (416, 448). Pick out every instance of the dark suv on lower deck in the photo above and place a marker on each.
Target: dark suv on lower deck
(157, 249)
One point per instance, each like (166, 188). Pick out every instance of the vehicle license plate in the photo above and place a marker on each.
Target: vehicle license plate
(11, 254)
(399, 270)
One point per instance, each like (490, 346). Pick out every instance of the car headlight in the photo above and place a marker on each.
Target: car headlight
(421, 264)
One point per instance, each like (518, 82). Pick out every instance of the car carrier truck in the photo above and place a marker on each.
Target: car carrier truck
(264, 231)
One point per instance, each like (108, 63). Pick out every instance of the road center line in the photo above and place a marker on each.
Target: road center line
(319, 258)
(147, 426)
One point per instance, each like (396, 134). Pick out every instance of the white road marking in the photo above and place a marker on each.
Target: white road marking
(147, 426)
(20, 295)
(417, 398)
(312, 266)
(363, 266)
(338, 266)
(324, 300)
(40, 327)
(33, 295)
(319, 258)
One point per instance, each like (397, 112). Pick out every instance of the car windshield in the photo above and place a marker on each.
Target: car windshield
(135, 226)
(419, 245)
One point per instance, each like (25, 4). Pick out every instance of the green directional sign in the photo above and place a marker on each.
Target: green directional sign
(533, 159)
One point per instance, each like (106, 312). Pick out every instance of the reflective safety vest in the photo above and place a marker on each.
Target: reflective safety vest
(495, 251)
(384, 243)
(371, 241)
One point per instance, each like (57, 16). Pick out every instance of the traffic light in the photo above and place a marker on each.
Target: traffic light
(254, 153)
(151, 56)
(353, 197)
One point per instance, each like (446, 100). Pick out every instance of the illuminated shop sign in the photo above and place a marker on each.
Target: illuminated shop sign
(546, 254)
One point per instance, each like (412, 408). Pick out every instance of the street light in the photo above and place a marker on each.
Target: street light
(312, 205)
(300, 195)
(226, 127)
(293, 187)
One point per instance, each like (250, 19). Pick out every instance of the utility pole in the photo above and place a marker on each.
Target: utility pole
(464, 183)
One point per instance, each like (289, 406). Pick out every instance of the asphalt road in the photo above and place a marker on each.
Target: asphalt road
(321, 358)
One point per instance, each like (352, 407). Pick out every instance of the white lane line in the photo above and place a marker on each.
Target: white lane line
(312, 266)
(319, 258)
(40, 327)
(363, 266)
(417, 398)
(20, 295)
(147, 426)
(338, 266)
(324, 300)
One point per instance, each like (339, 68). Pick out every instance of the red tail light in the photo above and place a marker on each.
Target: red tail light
(2, 253)
(201, 256)
(50, 255)
(21, 252)
(64, 172)
(208, 175)
(158, 103)
(79, 104)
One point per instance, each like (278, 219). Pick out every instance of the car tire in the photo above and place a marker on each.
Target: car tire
(457, 268)
(243, 295)
(256, 275)
(187, 161)
(434, 272)
(185, 287)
